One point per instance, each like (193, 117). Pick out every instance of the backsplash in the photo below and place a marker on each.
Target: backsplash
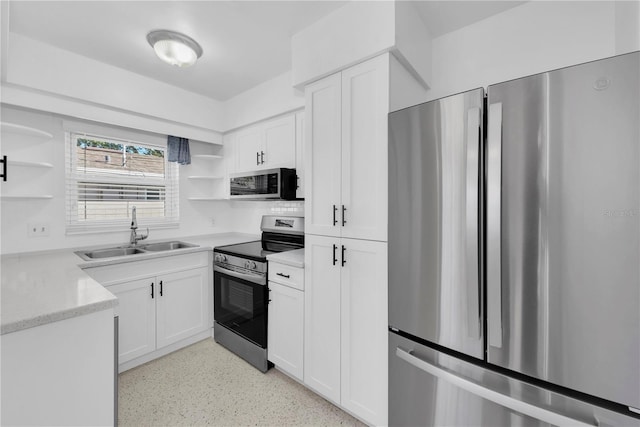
(293, 208)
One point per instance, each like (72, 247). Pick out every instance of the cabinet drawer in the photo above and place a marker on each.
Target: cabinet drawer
(286, 275)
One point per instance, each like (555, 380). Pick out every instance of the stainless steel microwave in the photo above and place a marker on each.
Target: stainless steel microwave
(270, 184)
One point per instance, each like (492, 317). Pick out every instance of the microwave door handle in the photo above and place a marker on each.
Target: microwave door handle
(472, 264)
(494, 202)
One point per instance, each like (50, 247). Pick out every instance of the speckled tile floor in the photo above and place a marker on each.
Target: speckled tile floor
(205, 384)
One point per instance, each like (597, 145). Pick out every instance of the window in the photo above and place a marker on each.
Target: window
(107, 177)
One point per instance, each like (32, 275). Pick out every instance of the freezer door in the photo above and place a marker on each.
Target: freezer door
(434, 170)
(563, 227)
(428, 388)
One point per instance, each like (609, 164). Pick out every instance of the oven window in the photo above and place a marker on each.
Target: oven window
(240, 305)
(239, 299)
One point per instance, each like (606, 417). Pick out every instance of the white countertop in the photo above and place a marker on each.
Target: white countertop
(293, 258)
(43, 287)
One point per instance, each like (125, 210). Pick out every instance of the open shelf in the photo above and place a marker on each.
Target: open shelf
(207, 156)
(205, 177)
(30, 164)
(25, 130)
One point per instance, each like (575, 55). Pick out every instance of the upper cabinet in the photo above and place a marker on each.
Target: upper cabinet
(346, 152)
(266, 145)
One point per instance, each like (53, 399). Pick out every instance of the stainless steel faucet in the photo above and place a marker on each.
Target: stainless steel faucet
(134, 226)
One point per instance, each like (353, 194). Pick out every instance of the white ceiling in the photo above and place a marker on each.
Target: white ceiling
(245, 42)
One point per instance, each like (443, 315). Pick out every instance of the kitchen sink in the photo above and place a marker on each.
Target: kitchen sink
(126, 251)
(111, 252)
(166, 246)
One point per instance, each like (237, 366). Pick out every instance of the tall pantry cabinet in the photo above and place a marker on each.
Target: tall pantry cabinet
(346, 234)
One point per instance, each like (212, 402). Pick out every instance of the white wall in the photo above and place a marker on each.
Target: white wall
(74, 79)
(195, 216)
(268, 99)
(356, 32)
(350, 34)
(627, 15)
(535, 37)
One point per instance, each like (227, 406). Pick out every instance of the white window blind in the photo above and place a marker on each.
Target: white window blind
(106, 177)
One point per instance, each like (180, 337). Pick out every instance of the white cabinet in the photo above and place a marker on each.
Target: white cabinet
(136, 311)
(285, 328)
(266, 145)
(248, 145)
(160, 310)
(346, 322)
(346, 151)
(181, 305)
(163, 304)
(322, 316)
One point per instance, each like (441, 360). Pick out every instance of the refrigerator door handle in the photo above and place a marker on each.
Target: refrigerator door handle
(473, 162)
(494, 183)
(528, 409)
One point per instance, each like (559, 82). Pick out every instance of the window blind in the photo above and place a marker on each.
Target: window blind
(106, 177)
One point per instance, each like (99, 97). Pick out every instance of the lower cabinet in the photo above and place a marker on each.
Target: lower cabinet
(285, 331)
(345, 322)
(163, 304)
(161, 310)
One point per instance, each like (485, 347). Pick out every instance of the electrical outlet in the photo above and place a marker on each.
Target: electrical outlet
(38, 229)
(213, 222)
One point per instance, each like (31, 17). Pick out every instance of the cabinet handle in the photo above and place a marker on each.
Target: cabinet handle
(297, 180)
(335, 210)
(151, 289)
(257, 159)
(262, 157)
(160, 287)
(286, 276)
(4, 168)
(344, 221)
(334, 254)
(344, 260)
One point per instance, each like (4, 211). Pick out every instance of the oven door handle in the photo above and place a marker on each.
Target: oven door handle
(248, 277)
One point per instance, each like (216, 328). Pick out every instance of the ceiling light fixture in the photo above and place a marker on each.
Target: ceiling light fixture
(174, 48)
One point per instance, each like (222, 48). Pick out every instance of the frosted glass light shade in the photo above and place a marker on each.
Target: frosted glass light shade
(174, 48)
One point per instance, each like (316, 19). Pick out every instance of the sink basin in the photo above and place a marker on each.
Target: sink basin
(166, 246)
(124, 251)
(111, 252)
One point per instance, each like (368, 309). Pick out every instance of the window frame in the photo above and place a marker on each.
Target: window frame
(73, 179)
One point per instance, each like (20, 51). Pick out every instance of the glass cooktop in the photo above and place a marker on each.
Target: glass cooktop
(250, 250)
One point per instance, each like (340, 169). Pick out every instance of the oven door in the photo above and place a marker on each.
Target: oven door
(240, 304)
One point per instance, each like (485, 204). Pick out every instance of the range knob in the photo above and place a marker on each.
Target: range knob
(251, 265)
(221, 258)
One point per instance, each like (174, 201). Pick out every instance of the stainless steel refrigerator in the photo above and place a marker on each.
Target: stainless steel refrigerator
(514, 252)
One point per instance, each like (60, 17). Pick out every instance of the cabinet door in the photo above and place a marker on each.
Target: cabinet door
(364, 325)
(300, 154)
(280, 143)
(137, 317)
(248, 148)
(182, 304)
(322, 317)
(322, 151)
(365, 106)
(285, 328)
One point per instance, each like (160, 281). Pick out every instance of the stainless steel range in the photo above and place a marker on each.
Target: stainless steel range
(241, 295)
